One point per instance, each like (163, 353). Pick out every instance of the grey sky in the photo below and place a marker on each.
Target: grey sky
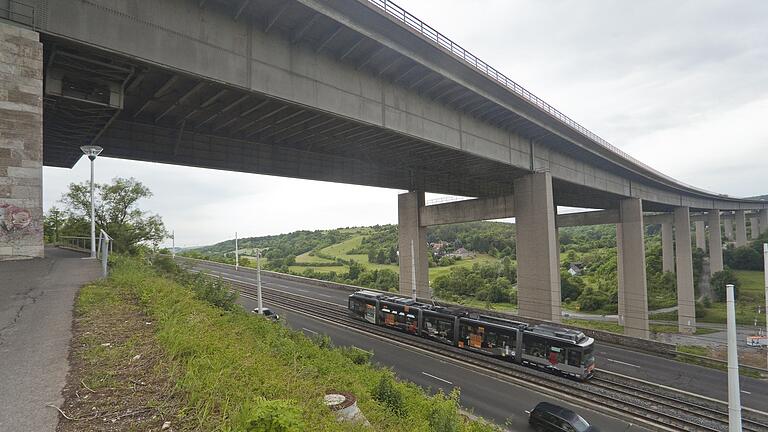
(682, 86)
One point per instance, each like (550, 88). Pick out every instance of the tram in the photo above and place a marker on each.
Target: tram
(555, 349)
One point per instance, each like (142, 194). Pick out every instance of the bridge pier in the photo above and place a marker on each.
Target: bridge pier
(633, 289)
(538, 254)
(754, 230)
(686, 301)
(667, 247)
(741, 228)
(700, 235)
(762, 223)
(21, 143)
(412, 233)
(715, 242)
(728, 226)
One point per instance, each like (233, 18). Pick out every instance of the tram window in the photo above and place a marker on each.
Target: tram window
(439, 328)
(357, 306)
(491, 339)
(536, 346)
(574, 357)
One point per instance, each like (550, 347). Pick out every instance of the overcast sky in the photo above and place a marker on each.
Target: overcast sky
(682, 86)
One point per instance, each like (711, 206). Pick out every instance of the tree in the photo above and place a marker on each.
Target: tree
(116, 212)
(721, 279)
(570, 286)
(52, 224)
(744, 258)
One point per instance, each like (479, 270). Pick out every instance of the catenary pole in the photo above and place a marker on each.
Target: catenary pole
(413, 273)
(734, 397)
(173, 244)
(258, 280)
(237, 254)
(765, 311)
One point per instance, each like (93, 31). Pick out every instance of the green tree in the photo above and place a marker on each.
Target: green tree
(53, 223)
(721, 279)
(116, 212)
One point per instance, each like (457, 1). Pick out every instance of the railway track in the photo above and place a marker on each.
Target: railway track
(660, 407)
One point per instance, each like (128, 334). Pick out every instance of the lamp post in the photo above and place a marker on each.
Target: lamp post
(92, 151)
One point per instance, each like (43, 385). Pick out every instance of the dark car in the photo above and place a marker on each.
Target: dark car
(547, 417)
(269, 313)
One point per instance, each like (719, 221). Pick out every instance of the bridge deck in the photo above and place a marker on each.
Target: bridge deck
(36, 300)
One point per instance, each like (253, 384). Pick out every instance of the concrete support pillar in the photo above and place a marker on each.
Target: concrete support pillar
(411, 232)
(686, 302)
(715, 242)
(633, 290)
(762, 222)
(741, 228)
(21, 143)
(700, 235)
(728, 228)
(538, 275)
(667, 247)
(754, 231)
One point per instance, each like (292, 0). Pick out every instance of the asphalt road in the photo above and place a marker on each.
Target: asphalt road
(489, 397)
(36, 298)
(683, 376)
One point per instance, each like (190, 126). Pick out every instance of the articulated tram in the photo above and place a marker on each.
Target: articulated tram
(556, 349)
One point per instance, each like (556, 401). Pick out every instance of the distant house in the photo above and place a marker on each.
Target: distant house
(461, 253)
(575, 269)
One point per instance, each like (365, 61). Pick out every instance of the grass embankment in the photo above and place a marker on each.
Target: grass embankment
(239, 372)
(616, 328)
(751, 296)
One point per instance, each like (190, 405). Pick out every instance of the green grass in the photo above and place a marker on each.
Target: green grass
(596, 325)
(239, 370)
(309, 258)
(479, 258)
(324, 269)
(704, 352)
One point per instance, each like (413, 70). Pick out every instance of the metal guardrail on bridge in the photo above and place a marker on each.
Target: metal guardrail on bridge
(391, 9)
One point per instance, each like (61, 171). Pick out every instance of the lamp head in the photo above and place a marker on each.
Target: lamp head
(91, 151)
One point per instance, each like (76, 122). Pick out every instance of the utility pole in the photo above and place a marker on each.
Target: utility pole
(258, 280)
(92, 151)
(765, 275)
(413, 273)
(173, 244)
(237, 254)
(734, 397)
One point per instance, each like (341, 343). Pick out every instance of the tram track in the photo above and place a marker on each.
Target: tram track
(661, 408)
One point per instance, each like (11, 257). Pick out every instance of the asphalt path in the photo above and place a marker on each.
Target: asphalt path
(492, 398)
(682, 376)
(36, 300)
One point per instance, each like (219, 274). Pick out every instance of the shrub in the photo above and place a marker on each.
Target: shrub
(274, 416)
(390, 396)
(591, 300)
(444, 415)
(721, 279)
(743, 258)
(358, 356)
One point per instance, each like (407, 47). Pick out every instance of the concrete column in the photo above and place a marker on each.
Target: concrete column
(686, 302)
(728, 228)
(667, 247)
(410, 230)
(754, 231)
(741, 228)
(762, 223)
(538, 275)
(21, 143)
(633, 290)
(715, 242)
(700, 235)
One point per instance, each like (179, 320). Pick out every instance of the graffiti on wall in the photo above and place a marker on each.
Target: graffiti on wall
(16, 222)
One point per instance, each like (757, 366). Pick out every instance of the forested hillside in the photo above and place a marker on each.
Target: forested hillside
(475, 263)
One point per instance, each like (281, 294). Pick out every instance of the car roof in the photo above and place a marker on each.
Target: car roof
(557, 410)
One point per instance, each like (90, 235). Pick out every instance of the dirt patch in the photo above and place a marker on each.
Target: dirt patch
(119, 378)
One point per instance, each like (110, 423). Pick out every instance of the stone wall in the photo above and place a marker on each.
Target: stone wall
(21, 143)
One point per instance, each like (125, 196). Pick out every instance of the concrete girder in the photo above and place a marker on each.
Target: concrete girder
(468, 211)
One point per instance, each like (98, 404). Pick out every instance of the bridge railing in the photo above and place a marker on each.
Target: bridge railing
(78, 243)
(17, 11)
(391, 9)
(103, 249)
(104, 246)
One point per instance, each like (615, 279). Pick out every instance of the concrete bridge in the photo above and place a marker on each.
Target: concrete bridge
(352, 91)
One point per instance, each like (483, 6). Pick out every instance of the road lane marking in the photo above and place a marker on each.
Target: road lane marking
(308, 330)
(360, 349)
(437, 378)
(624, 363)
(746, 392)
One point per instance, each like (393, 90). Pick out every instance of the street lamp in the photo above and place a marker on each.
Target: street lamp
(92, 151)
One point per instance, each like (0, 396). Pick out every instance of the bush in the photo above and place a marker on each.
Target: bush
(275, 416)
(208, 289)
(743, 258)
(358, 356)
(721, 279)
(390, 396)
(592, 300)
(444, 415)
